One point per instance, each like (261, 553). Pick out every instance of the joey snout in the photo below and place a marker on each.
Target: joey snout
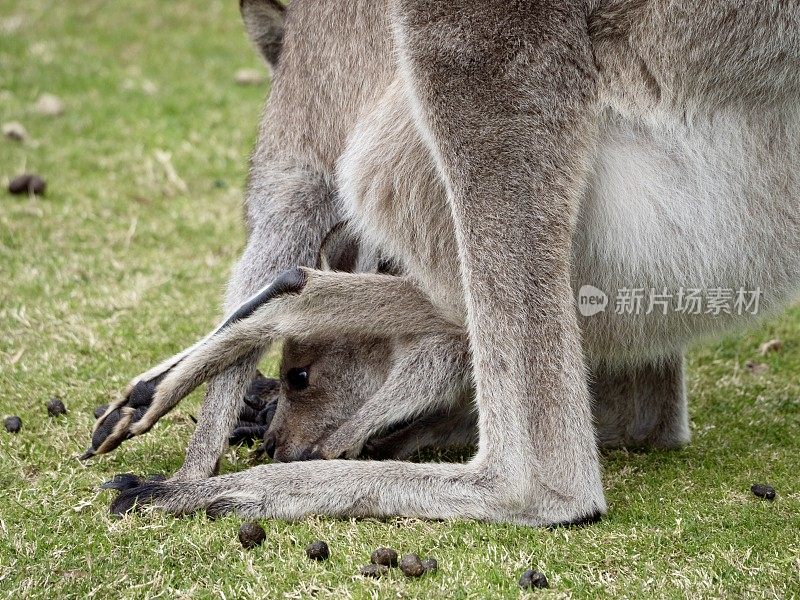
(281, 448)
(346, 442)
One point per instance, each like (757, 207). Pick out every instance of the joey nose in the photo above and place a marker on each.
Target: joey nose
(269, 445)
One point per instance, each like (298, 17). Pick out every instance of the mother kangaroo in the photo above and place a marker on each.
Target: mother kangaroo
(613, 143)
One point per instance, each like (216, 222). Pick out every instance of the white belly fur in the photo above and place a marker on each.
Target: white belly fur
(711, 203)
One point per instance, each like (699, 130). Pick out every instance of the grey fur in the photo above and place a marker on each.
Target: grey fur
(490, 161)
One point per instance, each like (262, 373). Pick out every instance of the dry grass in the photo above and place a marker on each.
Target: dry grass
(123, 262)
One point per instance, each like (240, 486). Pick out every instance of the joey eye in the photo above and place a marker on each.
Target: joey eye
(297, 378)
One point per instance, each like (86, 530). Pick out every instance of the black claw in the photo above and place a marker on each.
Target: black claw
(260, 403)
(128, 481)
(107, 427)
(131, 499)
(87, 454)
(590, 519)
(247, 434)
(122, 482)
(265, 416)
(261, 395)
(249, 414)
(140, 398)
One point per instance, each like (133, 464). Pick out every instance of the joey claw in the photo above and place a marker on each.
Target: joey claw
(260, 400)
(111, 428)
(247, 434)
(260, 405)
(266, 415)
(248, 415)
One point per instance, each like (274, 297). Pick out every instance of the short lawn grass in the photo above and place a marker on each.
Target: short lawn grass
(124, 261)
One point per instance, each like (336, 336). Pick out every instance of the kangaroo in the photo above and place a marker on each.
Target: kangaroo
(508, 155)
(335, 395)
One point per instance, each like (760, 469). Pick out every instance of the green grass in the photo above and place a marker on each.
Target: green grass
(118, 267)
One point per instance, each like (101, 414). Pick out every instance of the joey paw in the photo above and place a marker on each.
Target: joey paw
(261, 401)
(246, 434)
(112, 428)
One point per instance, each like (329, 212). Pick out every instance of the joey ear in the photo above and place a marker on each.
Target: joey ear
(263, 20)
(339, 250)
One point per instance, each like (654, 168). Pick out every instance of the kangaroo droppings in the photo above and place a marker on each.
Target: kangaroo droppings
(384, 556)
(430, 565)
(13, 424)
(318, 550)
(411, 566)
(27, 184)
(763, 490)
(533, 579)
(373, 570)
(55, 407)
(251, 535)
